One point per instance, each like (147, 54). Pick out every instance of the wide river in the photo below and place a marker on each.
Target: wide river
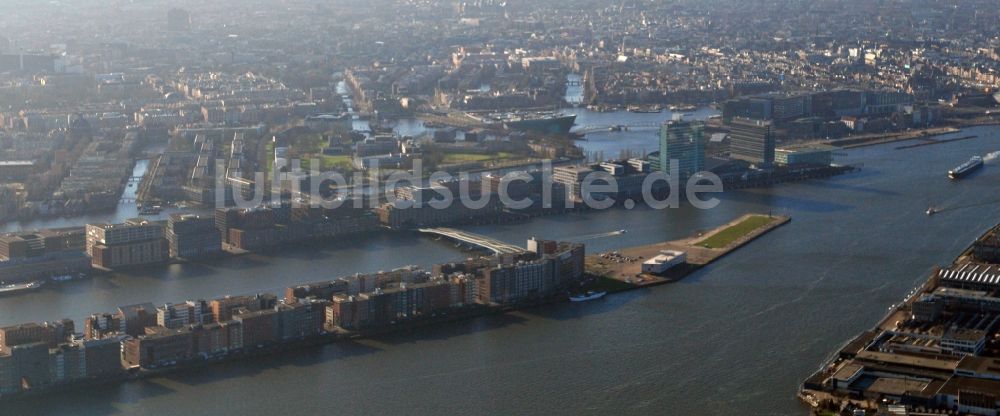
(735, 338)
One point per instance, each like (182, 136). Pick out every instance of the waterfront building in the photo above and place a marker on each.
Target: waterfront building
(819, 155)
(216, 338)
(101, 357)
(67, 362)
(266, 227)
(344, 312)
(318, 290)
(50, 333)
(530, 190)
(666, 260)
(384, 306)
(301, 319)
(260, 327)
(464, 290)
(548, 268)
(188, 313)
(973, 276)
(62, 263)
(135, 242)
(193, 236)
(514, 283)
(24, 367)
(23, 334)
(224, 308)
(987, 248)
(85, 359)
(572, 178)
(42, 254)
(355, 284)
(100, 326)
(134, 319)
(752, 141)
(226, 218)
(682, 142)
(404, 214)
(158, 346)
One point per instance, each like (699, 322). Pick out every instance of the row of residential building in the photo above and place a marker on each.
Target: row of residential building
(144, 336)
(43, 254)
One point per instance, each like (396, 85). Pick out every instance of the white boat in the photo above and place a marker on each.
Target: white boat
(590, 295)
(15, 288)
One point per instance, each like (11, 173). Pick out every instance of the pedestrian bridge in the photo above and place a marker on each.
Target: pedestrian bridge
(496, 246)
(593, 128)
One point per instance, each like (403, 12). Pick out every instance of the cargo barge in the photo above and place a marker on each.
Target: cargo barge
(966, 168)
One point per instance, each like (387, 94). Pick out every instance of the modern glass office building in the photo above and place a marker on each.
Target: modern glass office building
(682, 142)
(751, 140)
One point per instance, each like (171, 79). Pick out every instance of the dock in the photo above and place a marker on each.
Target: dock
(626, 265)
(864, 140)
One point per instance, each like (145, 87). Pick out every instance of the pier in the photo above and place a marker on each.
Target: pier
(625, 265)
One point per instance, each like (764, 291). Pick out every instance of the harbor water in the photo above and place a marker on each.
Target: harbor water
(736, 337)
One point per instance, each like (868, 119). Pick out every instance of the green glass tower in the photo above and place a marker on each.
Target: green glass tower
(682, 142)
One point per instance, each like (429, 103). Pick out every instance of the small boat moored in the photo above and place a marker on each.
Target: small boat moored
(589, 295)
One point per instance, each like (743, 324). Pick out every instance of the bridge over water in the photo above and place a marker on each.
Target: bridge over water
(592, 128)
(496, 246)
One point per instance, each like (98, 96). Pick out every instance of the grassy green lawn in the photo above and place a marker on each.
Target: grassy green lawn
(328, 163)
(729, 235)
(453, 158)
(340, 162)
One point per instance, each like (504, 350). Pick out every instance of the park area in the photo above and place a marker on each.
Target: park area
(734, 232)
(456, 158)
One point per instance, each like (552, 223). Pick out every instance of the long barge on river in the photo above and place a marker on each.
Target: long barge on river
(966, 168)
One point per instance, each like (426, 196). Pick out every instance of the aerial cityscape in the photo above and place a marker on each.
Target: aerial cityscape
(764, 207)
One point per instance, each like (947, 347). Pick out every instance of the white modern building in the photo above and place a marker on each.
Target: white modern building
(664, 261)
